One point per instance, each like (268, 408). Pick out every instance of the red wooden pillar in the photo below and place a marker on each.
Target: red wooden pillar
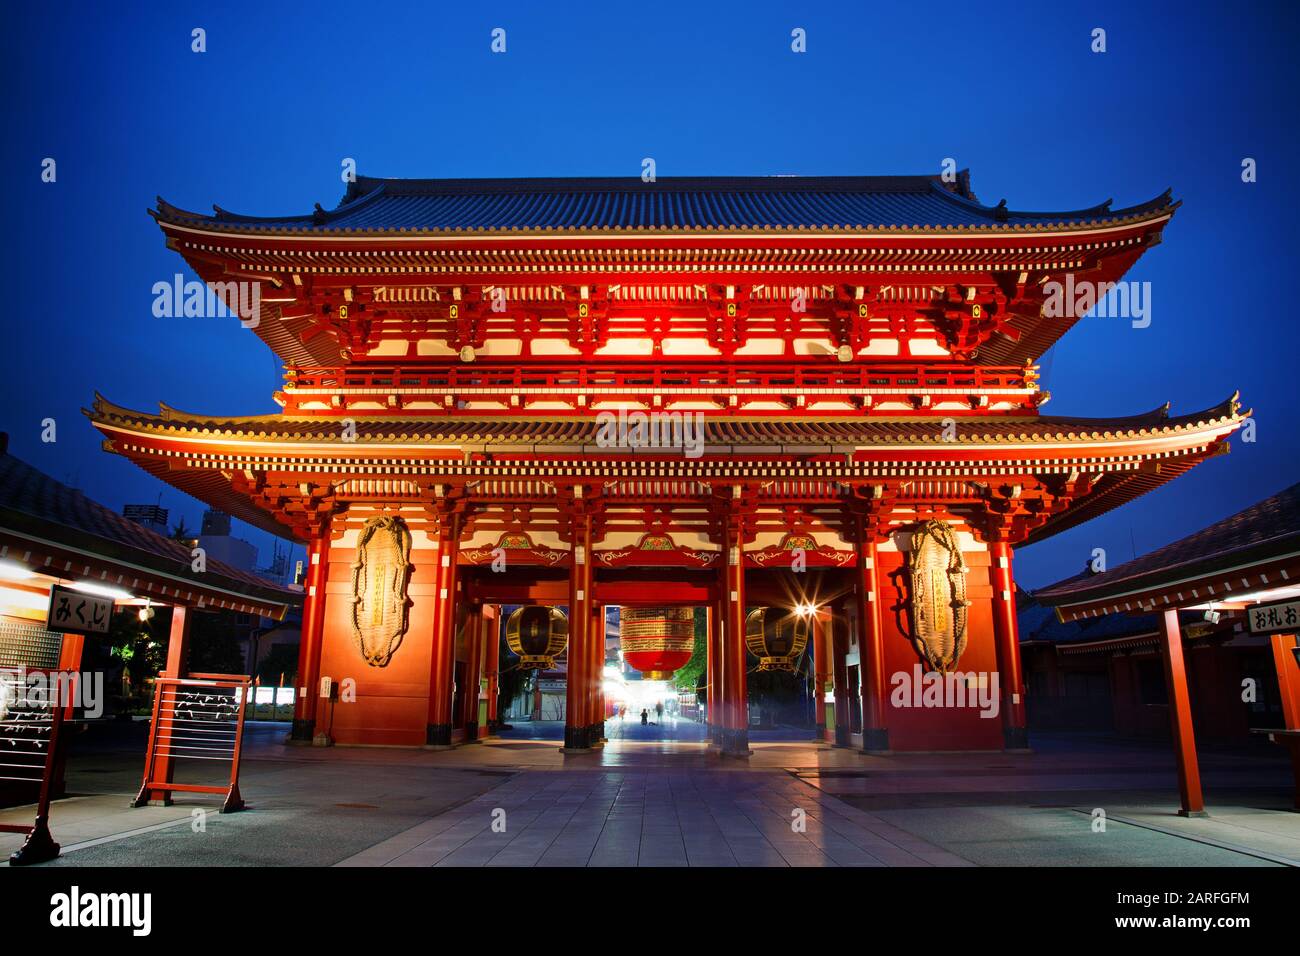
(820, 638)
(442, 659)
(69, 664)
(839, 649)
(473, 669)
(178, 645)
(1288, 682)
(596, 696)
(871, 646)
(714, 673)
(577, 719)
(735, 738)
(1180, 718)
(492, 663)
(1006, 637)
(311, 637)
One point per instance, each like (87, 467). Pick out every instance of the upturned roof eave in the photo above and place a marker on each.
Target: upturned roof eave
(364, 191)
(172, 424)
(911, 231)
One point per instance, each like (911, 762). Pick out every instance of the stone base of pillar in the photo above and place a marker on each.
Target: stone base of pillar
(471, 734)
(842, 736)
(577, 740)
(437, 737)
(735, 743)
(1015, 739)
(1194, 814)
(875, 740)
(301, 733)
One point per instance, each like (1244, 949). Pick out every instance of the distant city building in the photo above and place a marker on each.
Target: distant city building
(215, 539)
(152, 517)
(278, 569)
(215, 523)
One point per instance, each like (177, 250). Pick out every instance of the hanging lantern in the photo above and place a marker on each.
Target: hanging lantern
(657, 640)
(777, 637)
(537, 633)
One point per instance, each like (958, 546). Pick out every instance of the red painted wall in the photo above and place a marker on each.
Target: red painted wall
(392, 703)
(928, 728)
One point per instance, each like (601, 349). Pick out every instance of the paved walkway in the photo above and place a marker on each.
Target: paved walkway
(692, 818)
(665, 730)
(666, 803)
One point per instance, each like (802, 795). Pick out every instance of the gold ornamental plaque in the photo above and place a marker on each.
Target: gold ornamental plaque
(379, 579)
(938, 595)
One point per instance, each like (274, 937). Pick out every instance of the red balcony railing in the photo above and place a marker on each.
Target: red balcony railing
(475, 388)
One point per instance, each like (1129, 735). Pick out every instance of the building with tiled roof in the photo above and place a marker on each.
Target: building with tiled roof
(844, 366)
(1240, 560)
(1128, 633)
(50, 530)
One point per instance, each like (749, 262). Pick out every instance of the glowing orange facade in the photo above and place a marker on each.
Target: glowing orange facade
(719, 392)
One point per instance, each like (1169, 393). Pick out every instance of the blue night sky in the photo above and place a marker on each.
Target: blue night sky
(261, 121)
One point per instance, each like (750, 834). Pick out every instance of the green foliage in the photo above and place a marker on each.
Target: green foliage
(690, 676)
(512, 680)
(133, 643)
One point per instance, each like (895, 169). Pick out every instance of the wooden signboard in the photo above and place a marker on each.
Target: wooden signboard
(1279, 617)
(78, 612)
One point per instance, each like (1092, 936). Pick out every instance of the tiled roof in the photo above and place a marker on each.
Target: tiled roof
(1038, 622)
(926, 203)
(1268, 529)
(880, 431)
(32, 501)
(726, 441)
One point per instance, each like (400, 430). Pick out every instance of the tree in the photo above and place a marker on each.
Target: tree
(132, 643)
(689, 674)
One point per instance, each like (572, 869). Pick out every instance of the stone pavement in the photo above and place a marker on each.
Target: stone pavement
(690, 818)
(673, 803)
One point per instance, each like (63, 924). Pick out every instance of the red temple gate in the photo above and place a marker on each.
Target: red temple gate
(717, 392)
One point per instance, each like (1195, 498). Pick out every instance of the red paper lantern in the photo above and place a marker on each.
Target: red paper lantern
(657, 640)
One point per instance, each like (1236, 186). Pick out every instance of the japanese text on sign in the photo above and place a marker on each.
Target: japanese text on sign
(77, 612)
